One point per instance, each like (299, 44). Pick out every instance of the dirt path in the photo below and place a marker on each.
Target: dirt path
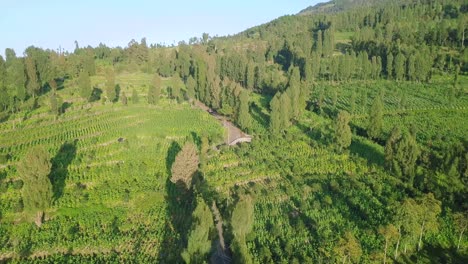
(221, 254)
(234, 134)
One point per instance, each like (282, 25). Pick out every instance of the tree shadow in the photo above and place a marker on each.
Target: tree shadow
(367, 151)
(180, 205)
(60, 163)
(65, 106)
(117, 92)
(95, 95)
(257, 114)
(196, 139)
(172, 152)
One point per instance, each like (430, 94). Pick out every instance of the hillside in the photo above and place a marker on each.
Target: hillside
(357, 115)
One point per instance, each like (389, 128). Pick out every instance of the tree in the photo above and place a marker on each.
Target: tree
(390, 233)
(32, 83)
(401, 154)
(85, 85)
(242, 223)
(4, 97)
(124, 99)
(54, 107)
(244, 119)
(191, 84)
(135, 98)
(343, 132)
(285, 111)
(348, 247)
(110, 86)
(389, 65)
(294, 91)
(461, 223)
(374, 128)
(34, 170)
(199, 238)
(275, 114)
(185, 165)
(399, 66)
(176, 88)
(430, 209)
(154, 90)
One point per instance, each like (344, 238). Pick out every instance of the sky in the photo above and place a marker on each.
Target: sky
(51, 24)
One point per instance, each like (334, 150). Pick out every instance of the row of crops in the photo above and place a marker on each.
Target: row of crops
(110, 204)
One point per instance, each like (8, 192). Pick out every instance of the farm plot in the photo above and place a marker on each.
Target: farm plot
(109, 166)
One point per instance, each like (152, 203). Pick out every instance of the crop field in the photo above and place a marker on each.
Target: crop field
(109, 165)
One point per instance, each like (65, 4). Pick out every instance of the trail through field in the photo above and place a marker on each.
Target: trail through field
(222, 254)
(234, 134)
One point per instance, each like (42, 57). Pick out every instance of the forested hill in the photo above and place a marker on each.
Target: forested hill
(337, 5)
(359, 153)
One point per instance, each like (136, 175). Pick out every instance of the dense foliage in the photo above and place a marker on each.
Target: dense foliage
(359, 154)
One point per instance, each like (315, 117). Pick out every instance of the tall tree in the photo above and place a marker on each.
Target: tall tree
(191, 84)
(185, 165)
(390, 233)
(374, 128)
(342, 130)
(389, 67)
(85, 85)
(33, 83)
(34, 170)
(348, 248)
(110, 86)
(399, 66)
(4, 96)
(285, 111)
(275, 114)
(135, 99)
(199, 238)
(242, 223)
(244, 119)
(124, 99)
(461, 223)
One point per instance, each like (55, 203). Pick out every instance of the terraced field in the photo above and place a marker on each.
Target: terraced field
(110, 170)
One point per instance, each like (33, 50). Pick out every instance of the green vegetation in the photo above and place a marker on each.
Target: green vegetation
(359, 153)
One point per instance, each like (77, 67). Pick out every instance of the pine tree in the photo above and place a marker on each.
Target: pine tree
(275, 114)
(110, 86)
(34, 170)
(285, 110)
(191, 84)
(374, 128)
(343, 131)
(244, 119)
(33, 82)
(250, 76)
(85, 85)
(389, 67)
(242, 223)
(135, 99)
(124, 99)
(399, 66)
(200, 236)
(54, 108)
(294, 91)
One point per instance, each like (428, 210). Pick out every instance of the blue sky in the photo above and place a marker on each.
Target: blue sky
(54, 23)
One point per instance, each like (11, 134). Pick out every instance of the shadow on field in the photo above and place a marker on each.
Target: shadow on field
(60, 163)
(180, 205)
(259, 116)
(367, 151)
(174, 148)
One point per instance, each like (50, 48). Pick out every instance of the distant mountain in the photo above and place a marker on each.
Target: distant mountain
(336, 6)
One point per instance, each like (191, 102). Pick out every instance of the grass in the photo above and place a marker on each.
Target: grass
(112, 193)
